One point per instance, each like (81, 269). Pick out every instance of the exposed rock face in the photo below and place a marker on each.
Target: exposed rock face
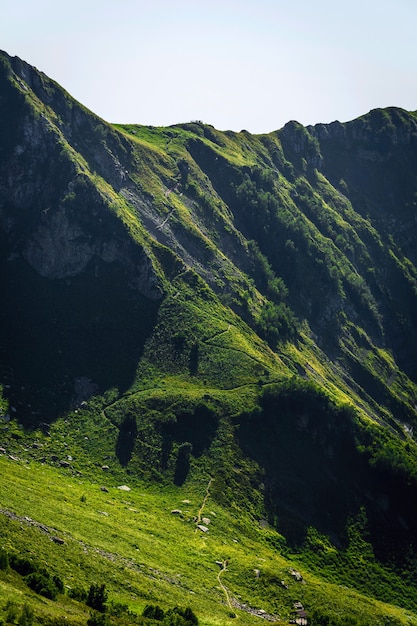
(54, 216)
(58, 248)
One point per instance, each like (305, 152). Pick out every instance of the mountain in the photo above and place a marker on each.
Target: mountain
(232, 316)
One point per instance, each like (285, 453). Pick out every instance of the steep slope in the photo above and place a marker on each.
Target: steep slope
(208, 304)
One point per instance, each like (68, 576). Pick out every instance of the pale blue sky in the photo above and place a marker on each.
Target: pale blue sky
(247, 64)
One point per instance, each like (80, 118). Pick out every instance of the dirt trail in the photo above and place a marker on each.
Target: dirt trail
(226, 593)
(206, 497)
(224, 563)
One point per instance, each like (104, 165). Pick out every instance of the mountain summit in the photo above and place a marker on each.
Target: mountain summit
(224, 304)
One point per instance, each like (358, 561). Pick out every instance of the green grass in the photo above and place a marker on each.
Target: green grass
(145, 554)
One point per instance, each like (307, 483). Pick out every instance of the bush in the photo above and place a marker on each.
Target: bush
(4, 559)
(26, 617)
(78, 593)
(22, 565)
(97, 597)
(11, 612)
(180, 617)
(190, 616)
(58, 583)
(117, 609)
(173, 617)
(153, 612)
(97, 619)
(276, 323)
(43, 584)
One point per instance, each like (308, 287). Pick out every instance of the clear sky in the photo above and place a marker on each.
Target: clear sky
(247, 64)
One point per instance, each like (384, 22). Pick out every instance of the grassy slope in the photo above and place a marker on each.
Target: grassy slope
(146, 554)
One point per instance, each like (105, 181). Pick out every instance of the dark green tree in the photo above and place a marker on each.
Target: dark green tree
(97, 597)
(4, 559)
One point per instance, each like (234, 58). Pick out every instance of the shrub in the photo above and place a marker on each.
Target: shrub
(26, 617)
(22, 565)
(97, 619)
(78, 593)
(117, 609)
(11, 612)
(190, 616)
(58, 583)
(4, 559)
(180, 617)
(153, 612)
(42, 584)
(97, 597)
(277, 322)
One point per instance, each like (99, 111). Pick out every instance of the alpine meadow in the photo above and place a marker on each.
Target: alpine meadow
(208, 368)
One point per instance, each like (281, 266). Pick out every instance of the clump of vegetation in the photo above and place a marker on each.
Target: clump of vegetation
(27, 616)
(153, 611)
(98, 618)
(78, 593)
(45, 584)
(277, 323)
(4, 559)
(97, 597)
(172, 617)
(38, 578)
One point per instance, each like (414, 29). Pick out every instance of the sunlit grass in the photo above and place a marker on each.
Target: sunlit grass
(146, 554)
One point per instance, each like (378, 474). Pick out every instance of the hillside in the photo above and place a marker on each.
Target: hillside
(226, 324)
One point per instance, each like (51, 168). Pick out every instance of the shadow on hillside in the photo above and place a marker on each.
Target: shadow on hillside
(194, 431)
(315, 474)
(311, 469)
(66, 340)
(125, 444)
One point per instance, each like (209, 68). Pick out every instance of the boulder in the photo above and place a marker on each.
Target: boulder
(58, 540)
(203, 529)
